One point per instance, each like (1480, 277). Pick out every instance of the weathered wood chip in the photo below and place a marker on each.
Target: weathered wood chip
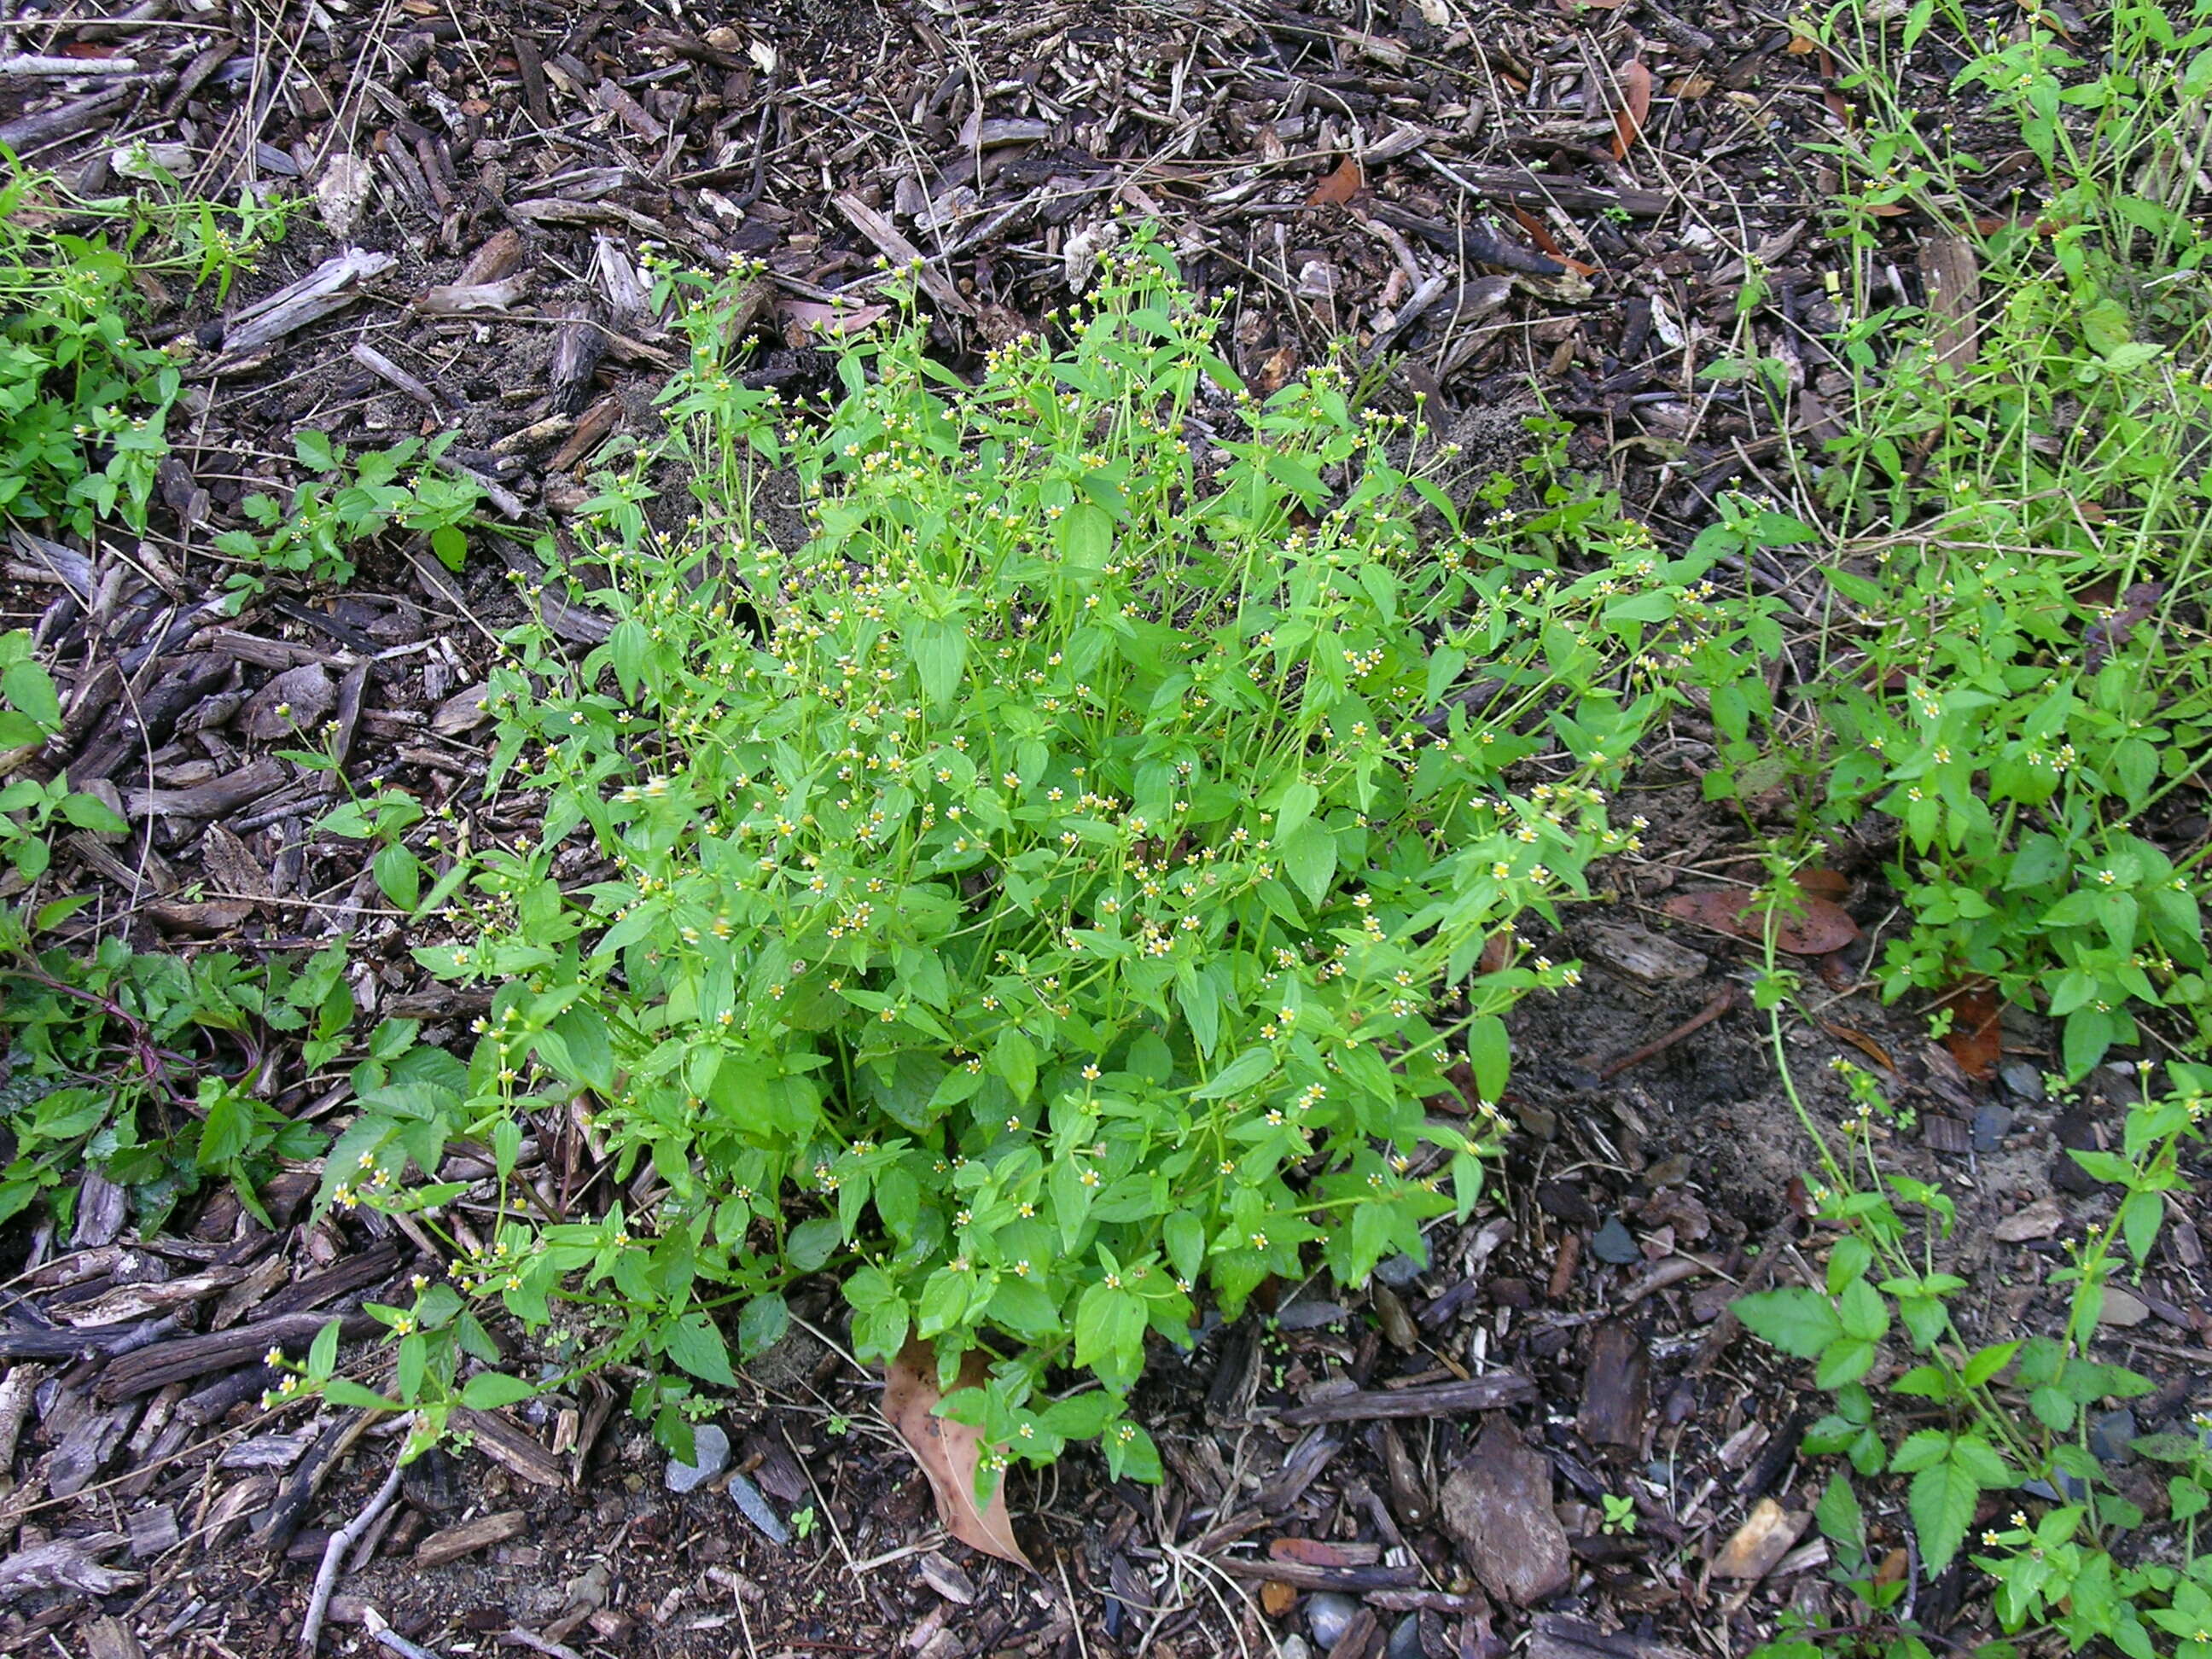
(512, 1446)
(1615, 1394)
(485, 1530)
(66, 1564)
(1439, 1399)
(1763, 1540)
(2037, 1220)
(1496, 1507)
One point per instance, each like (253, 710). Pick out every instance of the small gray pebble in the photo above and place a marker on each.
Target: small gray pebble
(712, 1448)
(1613, 1243)
(2110, 1433)
(1405, 1639)
(752, 1504)
(2021, 1079)
(1293, 1647)
(1992, 1125)
(1329, 1615)
(1398, 1271)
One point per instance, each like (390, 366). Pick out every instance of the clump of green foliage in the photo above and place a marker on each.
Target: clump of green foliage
(2072, 1557)
(2019, 679)
(1067, 882)
(351, 500)
(84, 403)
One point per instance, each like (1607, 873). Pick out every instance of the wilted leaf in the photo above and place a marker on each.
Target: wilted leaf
(1975, 1039)
(1860, 1041)
(1825, 926)
(1635, 106)
(948, 1451)
(1340, 186)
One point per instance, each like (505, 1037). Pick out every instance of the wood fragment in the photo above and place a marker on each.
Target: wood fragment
(901, 252)
(470, 1536)
(1441, 1400)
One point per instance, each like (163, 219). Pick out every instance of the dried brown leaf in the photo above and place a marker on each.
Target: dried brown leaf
(1340, 186)
(1635, 106)
(1975, 1039)
(948, 1451)
(1824, 926)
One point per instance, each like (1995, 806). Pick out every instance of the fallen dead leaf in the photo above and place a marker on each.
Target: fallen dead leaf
(1860, 1041)
(1975, 1039)
(1825, 926)
(2038, 1220)
(1340, 186)
(1635, 106)
(1826, 883)
(948, 1451)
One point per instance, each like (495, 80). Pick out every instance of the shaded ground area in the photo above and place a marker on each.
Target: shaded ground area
(1505, 210)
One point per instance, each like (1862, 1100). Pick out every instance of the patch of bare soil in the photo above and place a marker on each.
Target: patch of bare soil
(1504, 209)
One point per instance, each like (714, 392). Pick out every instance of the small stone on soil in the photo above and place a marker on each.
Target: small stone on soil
(2122, 1308)
(1398, 1271)
(2021, 1079)
(711, 1446)
(753, 1504)
(1613, 1243)
(2037, 1220)
(1762, 1540)
(1405, 1639)
(2110, 1435)
(1329, 1615)
(1992, 1125)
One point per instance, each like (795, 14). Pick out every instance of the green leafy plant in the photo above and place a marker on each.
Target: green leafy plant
(2015, 1415)
(1066, 879)
(351, 500)
(146, 1066)
(84, 403)
(2022, 505)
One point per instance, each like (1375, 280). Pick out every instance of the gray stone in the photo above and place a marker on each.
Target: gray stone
(1398, 1271)
(1613, 1243)
(1992, 1125)
(2021, 1079)
(1328, 1616)
(752, 1504)
(711, 1446)
(1294, 1647)
(1405, 1639)
(2110, 1435)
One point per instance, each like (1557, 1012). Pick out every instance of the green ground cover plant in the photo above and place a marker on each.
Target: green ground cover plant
(84, 403)
(1067, 876)
(2010, 1472)
(351, 500)
(2017, 674)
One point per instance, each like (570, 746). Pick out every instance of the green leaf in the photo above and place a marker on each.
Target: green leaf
(811, 1243)
(451, 544)
(30, 689)
(1013, 1057)
(1296, 806)
(1086, 537)
(1797, 1321)
(1242, 1072)
(1490, 1053)
(323, 1353)
(694, 1342)
(90, 812)
(762, 1323)
(1309, 859)
(341, 1392)
(940, 655)
(488, 1390)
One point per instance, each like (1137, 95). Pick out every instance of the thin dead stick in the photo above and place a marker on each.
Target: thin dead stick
(1705, 1016)
(326, 1576)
